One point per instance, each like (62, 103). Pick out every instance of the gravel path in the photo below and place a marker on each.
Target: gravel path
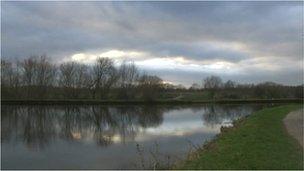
(294, 124)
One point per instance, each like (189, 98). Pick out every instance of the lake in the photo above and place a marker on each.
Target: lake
(109, 137)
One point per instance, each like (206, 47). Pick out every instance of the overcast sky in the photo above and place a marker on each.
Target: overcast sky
(182, 42)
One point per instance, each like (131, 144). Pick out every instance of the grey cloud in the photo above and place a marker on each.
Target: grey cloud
(293, 77)
(263, 26)
(141, 24)
(162, 29)
(198, 52)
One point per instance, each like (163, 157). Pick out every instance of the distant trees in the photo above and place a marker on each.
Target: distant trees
(215, 88)
(149, 86)
(128, 75)
(215, 82)
(73, 78)
(45, 76)
(38, 74)
(299, 93)
(104, 76)
(195, 86)
(83, 77)
(38, 78)
(68, 79)
(229, 84)
(10, 79)
(29, 67)
(269, 90)
(8, 74)
(212, 82)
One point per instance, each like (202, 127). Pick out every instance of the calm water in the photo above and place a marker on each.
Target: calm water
(108, 137)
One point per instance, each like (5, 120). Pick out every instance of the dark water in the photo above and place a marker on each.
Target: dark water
(108, 137)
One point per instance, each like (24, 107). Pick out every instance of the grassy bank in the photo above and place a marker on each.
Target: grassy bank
(121, 102)
(257, 142)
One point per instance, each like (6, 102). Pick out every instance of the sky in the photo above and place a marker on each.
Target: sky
(182, 42)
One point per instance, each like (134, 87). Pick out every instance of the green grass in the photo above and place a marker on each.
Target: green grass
(257, 142)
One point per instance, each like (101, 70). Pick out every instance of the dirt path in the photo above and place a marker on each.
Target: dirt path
(294, 125)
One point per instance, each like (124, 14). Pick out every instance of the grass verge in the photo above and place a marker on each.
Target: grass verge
(257, 142)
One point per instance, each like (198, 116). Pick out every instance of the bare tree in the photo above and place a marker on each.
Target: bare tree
(82, 76)
(83, 80)
(29, 70)
(149, 86)
(104, 75)
(10, 79)
(16, 76)
(195, 86)
(67, 78)
(6, 73)
(128, 76)
(212, 82)
(229, 84)
(45, 76)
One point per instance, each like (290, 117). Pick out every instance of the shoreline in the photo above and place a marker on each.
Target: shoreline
(216, 154)
(142, 102)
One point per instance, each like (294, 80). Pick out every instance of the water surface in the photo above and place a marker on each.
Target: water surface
(108, 137)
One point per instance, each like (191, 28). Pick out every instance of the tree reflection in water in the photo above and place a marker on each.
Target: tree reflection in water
(219, 114)
(38, 126)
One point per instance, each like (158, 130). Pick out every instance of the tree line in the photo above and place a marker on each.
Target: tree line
(218, 89)
(38, 78)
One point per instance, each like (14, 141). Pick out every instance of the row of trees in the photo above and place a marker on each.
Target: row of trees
(37, 77)
(217, 88)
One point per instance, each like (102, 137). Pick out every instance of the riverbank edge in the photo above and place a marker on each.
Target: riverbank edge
(212, 144)
(143, 102)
